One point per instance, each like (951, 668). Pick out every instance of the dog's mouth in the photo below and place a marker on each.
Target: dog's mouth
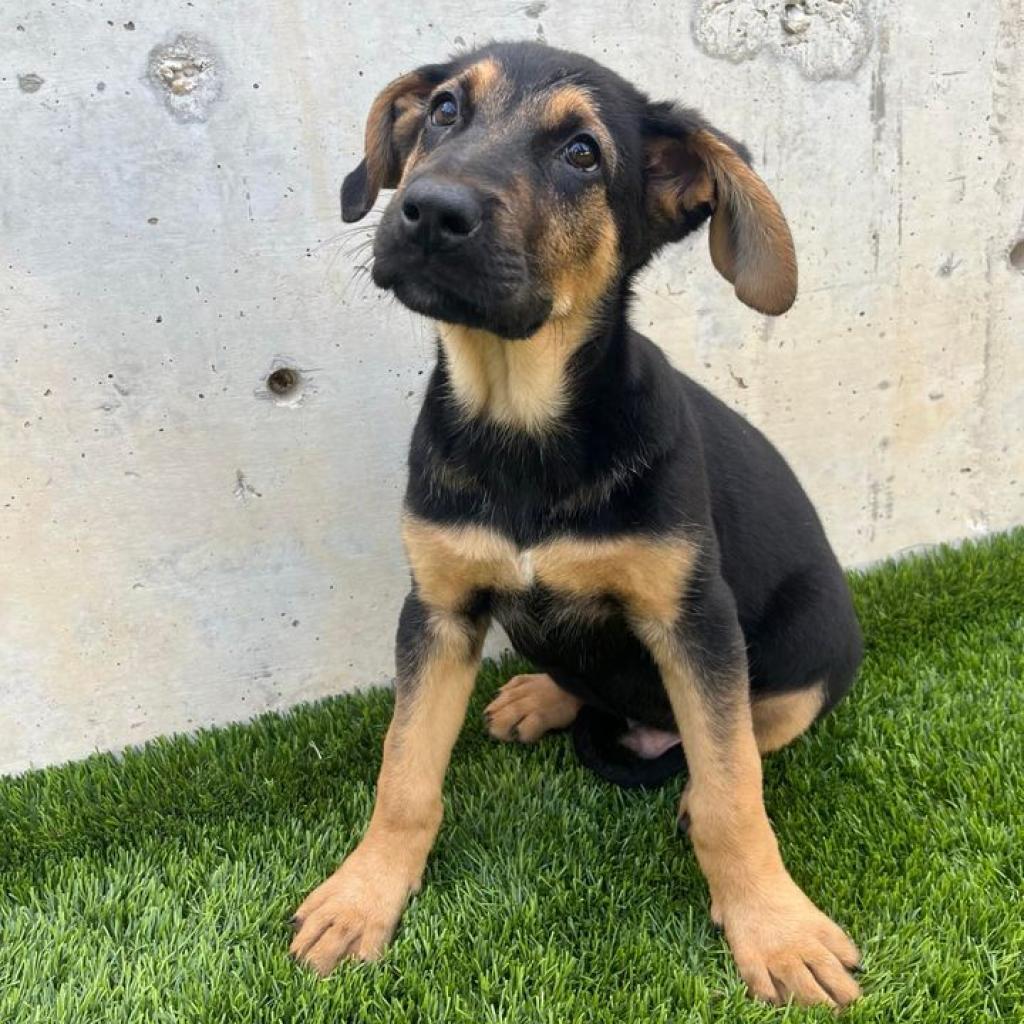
(505, 304)
(439, 303)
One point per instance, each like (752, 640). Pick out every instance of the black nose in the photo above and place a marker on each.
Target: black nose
(440, 214)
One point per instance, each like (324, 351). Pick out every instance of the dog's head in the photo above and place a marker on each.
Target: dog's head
(532, 182)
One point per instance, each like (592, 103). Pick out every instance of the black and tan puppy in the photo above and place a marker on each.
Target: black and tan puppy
(646, 547)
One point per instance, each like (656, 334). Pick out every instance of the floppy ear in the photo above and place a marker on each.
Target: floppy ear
(391, 130)
(694, 170)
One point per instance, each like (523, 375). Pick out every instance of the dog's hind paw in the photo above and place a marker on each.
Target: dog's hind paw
(529, 706)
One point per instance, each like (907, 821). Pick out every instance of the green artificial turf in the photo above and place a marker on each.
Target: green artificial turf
(156, 886)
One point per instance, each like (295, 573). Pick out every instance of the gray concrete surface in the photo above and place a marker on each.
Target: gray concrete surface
(179, 546)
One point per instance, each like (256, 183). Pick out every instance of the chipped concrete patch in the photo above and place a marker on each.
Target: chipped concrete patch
(186, 74)
(824, 38)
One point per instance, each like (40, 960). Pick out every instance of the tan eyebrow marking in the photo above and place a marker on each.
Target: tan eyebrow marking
(482, 78)
(575, 101)
(482, 82)
(568, 101)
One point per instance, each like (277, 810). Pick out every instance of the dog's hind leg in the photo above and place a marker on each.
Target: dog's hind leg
(780, 718)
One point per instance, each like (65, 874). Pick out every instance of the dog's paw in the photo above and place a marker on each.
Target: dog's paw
(527, 707)
(353, 914)
(786, 948)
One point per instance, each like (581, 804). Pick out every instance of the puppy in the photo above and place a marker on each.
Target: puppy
(643, 545)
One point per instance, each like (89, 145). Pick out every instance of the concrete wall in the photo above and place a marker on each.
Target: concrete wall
(178, 546)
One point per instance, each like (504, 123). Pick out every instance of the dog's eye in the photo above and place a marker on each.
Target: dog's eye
(582, 153)
(445, 110)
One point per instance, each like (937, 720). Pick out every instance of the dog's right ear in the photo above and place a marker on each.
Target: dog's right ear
(391, 129)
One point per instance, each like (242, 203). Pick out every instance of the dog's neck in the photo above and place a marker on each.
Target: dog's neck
(523, 384)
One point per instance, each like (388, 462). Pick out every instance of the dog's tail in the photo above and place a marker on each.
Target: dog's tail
(597, 736)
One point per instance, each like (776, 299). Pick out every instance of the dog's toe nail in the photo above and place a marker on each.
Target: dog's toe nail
(295, 921)
(515, 732)
(683, 824)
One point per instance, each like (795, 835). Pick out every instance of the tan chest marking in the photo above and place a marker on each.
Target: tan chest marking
(648, 575)
(519, 383)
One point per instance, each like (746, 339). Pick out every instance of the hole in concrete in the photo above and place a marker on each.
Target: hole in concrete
(795, 18)
(284, 382)
(1017, 255)
(30, 82)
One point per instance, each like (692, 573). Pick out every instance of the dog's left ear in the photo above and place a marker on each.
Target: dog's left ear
(693, 171)
(392, 127)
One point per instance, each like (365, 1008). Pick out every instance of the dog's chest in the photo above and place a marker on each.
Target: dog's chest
(567, 574)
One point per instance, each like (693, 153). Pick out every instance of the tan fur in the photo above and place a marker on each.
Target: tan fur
(485, 78)
(516, 383)
(354, 912)
(528, 706)
(780, 719)
(583, 251)
(565, 102)
(449, 563)
(648, 575)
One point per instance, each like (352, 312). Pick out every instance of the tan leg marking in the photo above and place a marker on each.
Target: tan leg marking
(780, 719)
(783, 945)
(529, 706)
(355, 912)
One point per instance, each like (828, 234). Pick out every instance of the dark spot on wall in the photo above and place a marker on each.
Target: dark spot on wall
(949, 265)
(30, 82)
(1017, 255)
(283, 382)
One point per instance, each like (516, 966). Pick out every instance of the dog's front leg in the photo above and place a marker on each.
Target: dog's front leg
(354, 913)
(784, 946)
